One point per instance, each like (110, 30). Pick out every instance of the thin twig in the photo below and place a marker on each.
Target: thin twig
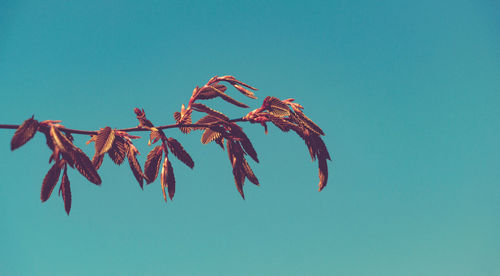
(130, 129)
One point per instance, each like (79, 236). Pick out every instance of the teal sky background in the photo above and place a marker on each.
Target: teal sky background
(407, 93)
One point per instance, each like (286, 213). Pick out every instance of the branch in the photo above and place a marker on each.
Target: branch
(130, 129)
(216, 126)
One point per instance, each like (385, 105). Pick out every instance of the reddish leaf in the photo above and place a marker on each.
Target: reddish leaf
(281, 123)
(134, 165)
(104, 140)
(66, 191)
(203, 108)
(85, 167)
(276, 107)
(141, 116)
(235, 153)
(97, 161)
(179, 152)
(323, 173)
(249, 173)
(245, 91)
(239, 179)
(154, 136)
(228, 99)
(118, 150)
(167, 179)
(233, 81)
(24, 133)
(309, 123)
(61, 141)
(209, 135)
(209, 92)
(207, 120)
(177, 116)
(50, 181)
(152, 165)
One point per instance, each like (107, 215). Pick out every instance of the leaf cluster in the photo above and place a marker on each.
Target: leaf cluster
(215, 126)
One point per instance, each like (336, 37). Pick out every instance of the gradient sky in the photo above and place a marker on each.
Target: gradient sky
(407, 94)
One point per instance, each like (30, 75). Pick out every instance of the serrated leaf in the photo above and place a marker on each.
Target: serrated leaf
(276, 107)
(323, 173)
(309, 123)
(245, 91)
(177, 116)
(48, 139)
(97, 161)
(167, 179)
(85, 167)
(207, 120)
(239, 179)
(220, 142)
(118, 150)
(209, 135)
(244, 141)
(104, 140)
(232, 80)
(50, 181)
(152, 165)
(61, 141)
(203, 108)
(187, 121)
(249, 149)
(24, 133)
(154, 136)
(209, 92)
(281, 123)
(249, 173)
(228, 99)
(235, 154)
(179, 152)
(134, 166)
(66, 192)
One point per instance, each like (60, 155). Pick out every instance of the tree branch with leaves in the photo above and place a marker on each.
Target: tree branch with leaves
(286, 115)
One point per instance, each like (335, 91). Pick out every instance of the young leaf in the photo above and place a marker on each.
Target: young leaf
(245, 91)
(179, 152)
(152, 165)
(209, 91)
(118, 150)
(207, 120)
(24, 133)
(209, 135)
(235, 153)
(232, 80)
(61, 141)
(154, 136)
(309, 123)
(50, 181)
(97, 161)
(323, 173)
(281, 123)
(276, 107)
(239, 179)
(228, 99)
(167, 179)
(66, 191)
(177, 116)
(85, 167)
(203, 108)
(249, 173)
(104, 140)
(134, 166)
(249, 149)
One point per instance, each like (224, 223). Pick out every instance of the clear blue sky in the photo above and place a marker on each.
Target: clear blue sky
(407, 93)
